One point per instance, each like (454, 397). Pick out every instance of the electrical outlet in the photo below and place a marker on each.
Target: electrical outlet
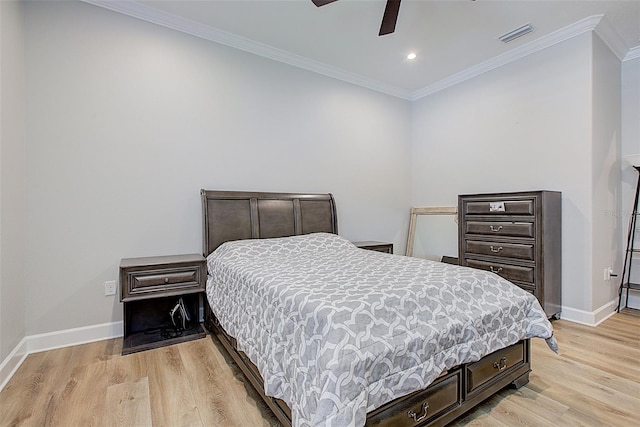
(608, 273)
(110, 287)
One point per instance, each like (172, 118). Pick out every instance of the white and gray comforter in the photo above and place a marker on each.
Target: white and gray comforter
(337, 331)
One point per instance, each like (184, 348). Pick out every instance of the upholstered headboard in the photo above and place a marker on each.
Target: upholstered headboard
(236, 215)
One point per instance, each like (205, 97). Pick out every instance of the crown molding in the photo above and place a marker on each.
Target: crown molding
(634, 53)
(593, 23)
(155, 16)
(612, 38)
(559, 36)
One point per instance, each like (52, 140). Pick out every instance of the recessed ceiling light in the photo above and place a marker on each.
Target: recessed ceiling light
(411, 56)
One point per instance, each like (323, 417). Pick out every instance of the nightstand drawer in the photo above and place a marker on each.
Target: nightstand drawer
(141, 282)
(161, 276)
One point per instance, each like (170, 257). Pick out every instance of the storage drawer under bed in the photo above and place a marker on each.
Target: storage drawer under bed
(493, 365)
(422, 406)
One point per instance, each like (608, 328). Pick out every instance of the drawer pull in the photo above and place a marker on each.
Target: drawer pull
(166, 280)
(495, 270)
(423, 413)
(495, 251)
(495, 229)
(502, 365)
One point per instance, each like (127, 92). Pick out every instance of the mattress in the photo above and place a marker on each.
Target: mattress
(337, 331)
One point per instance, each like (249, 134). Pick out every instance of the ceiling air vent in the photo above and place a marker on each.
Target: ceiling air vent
(518, 32)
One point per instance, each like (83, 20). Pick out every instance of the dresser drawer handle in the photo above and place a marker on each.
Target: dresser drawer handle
(495, 229)
(495, 251)
(166, 280)
(495, 270)
(502, 365)
(423, 413)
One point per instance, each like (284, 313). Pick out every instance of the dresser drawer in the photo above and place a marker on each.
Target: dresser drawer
(507, 250)
(500, 207)
(492, 366)
(509, 272)
(422, 406)
(500, 228)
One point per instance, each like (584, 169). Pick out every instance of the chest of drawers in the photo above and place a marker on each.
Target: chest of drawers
(517, 236)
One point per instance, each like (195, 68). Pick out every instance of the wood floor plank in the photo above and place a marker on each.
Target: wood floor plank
(602, 413)
(128, 404)
(172, 400)
(624, 389)
(509, 412)
(576, 418)
(80, 399)
(594, 381)
(481, 417)
(131, 367)
(550, 410)
(27, 385)
(214, 381)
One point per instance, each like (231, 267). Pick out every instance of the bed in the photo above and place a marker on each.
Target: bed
(330, 334)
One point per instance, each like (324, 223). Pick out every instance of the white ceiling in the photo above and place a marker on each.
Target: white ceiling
(452, 38)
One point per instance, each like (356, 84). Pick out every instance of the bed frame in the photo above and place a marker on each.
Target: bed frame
(235, 215)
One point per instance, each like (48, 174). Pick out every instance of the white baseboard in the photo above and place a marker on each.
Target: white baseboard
(12, 362)
(75, 336)
(52, 340)
(590, 318)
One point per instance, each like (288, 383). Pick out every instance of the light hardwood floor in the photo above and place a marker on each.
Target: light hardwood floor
(594, 381)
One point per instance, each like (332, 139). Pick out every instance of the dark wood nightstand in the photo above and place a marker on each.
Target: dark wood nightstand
(149, 288)
(376, 246)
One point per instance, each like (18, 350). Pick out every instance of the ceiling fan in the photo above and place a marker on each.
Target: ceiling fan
(389, 18)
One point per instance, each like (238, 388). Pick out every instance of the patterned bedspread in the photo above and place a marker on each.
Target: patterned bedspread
(337, 331)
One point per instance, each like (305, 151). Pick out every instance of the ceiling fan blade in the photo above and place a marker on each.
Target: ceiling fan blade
(322, 2)
(390, 17)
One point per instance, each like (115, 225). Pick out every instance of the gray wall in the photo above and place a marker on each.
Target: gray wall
(12, 178)
(529, 125)
(605, 174)
(127, 121)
